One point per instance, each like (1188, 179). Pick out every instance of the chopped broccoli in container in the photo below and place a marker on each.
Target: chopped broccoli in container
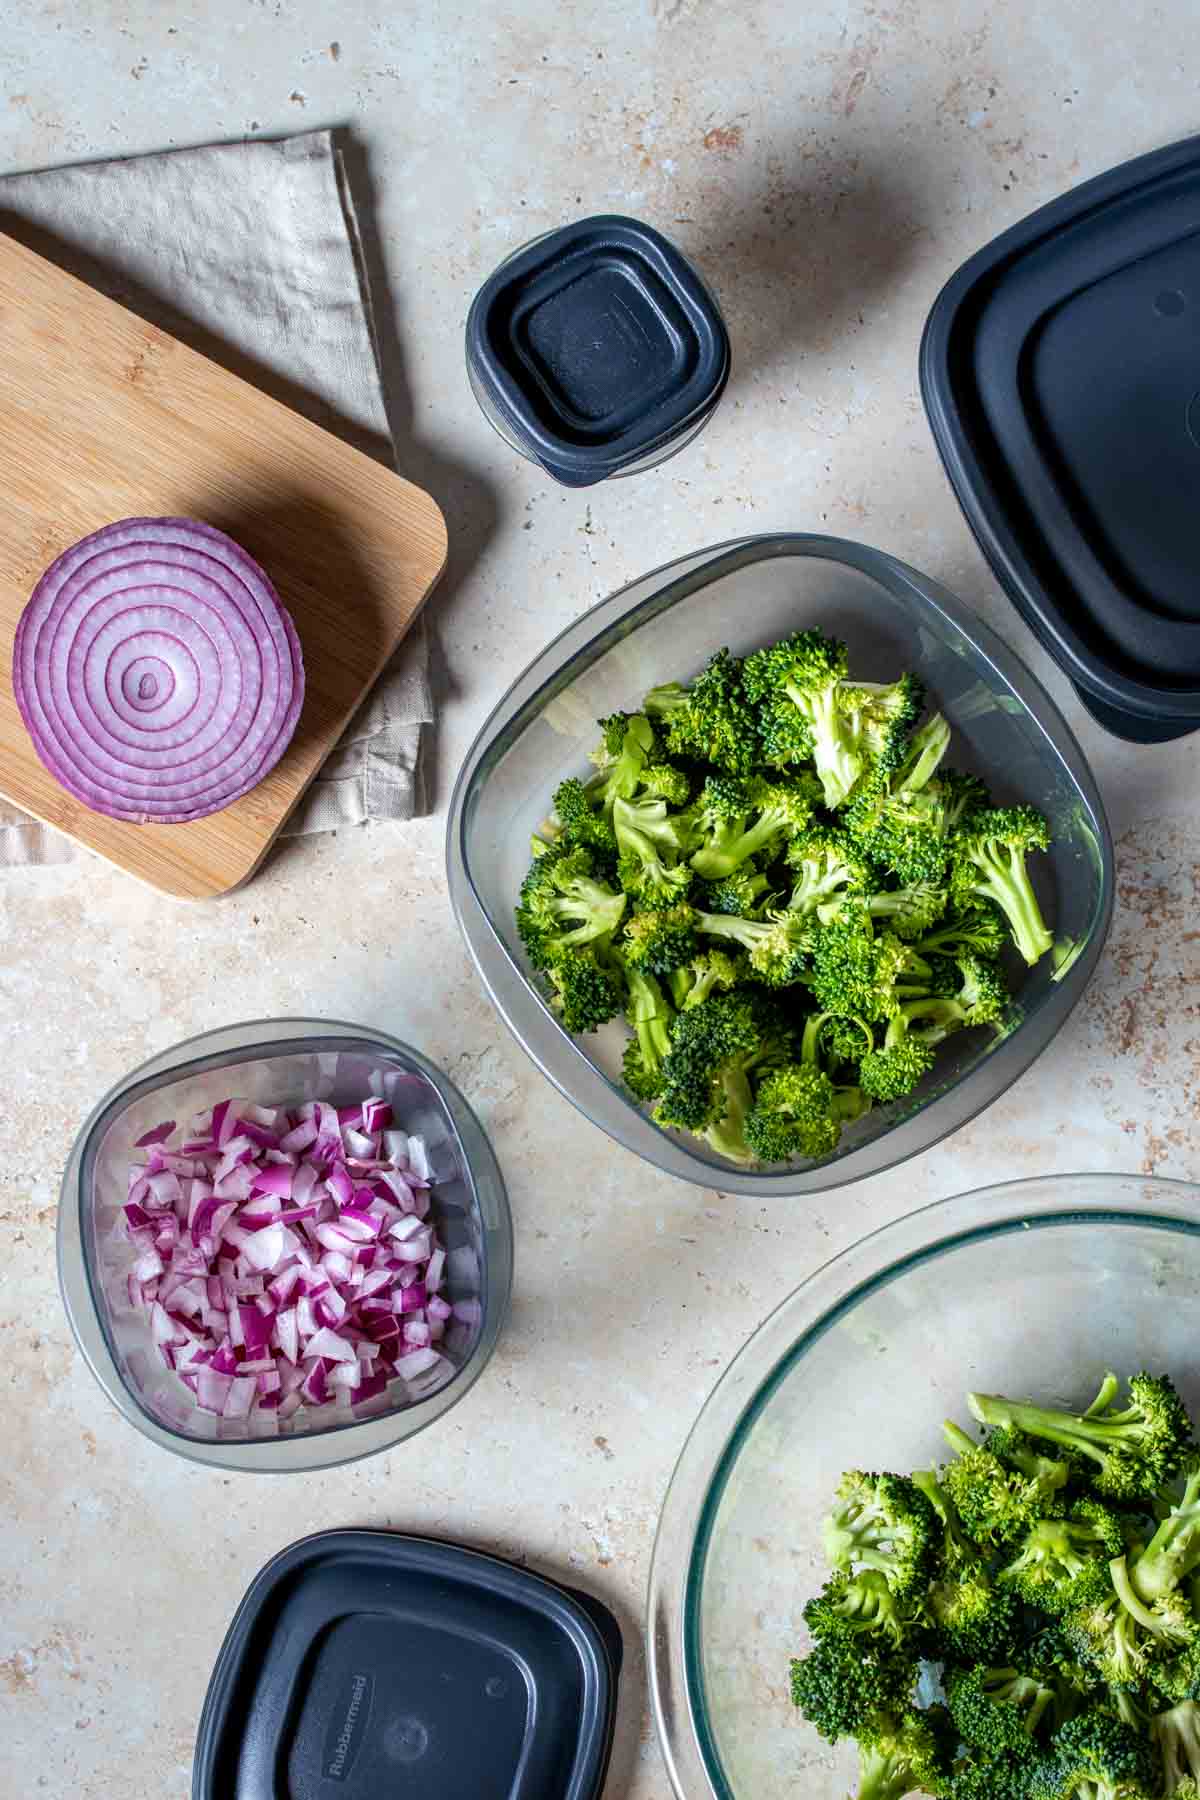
(779, 827)
(1043, 1580)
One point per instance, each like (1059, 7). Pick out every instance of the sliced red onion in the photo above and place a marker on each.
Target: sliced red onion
(156, 671)
(276, 1279)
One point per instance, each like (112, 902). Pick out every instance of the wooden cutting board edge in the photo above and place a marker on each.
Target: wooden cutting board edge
(68, 306)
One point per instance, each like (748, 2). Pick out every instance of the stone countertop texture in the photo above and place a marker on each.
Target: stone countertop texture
(827, 166)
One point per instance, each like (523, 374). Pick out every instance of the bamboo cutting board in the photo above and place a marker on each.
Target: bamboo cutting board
(103, 417)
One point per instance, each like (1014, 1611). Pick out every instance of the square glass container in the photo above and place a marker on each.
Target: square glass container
(281, 1062)
(665, 627)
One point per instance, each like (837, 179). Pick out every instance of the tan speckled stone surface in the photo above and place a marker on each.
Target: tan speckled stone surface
(828, 166)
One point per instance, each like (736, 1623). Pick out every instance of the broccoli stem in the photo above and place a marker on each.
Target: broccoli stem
(716, 865)
(1004, 879)
(728, 1136)
(1077, 1431)
(882, 1775)
(1118, 1568)
(1173, 1553)
(837, 763)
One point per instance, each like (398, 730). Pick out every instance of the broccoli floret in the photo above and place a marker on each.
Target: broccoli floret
(736, 820)
(882, 1522)
(745, 894)
(1134, 1448)
(861, 972)
(796, 685)
(828, 866)
(1173, 1554)
(865, 1604)
(651, 843)
(660, 939)
(997, 1710)
(901, 1752)
(981, 931)
(715, 1046)
(588, 991)
(626, 748)
(580, 825)
(562, 906)
(909, 911)
(1062, 1564)
(988, 862)
(970, 1618)
(841, 1685)
(667, 782)
(776, 947)
(882, 719)
(1176, 1736)
(799, 1110)
(711, 972)
(1098, 1757)
(898, 816)
(1125, 1640)
(650, 1014)
(996, 1501)
(1004, 1777)
(711, 721)
(901, 1061)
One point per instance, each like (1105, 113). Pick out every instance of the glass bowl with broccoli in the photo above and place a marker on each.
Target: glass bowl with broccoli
(780, 865)
(977, 1575)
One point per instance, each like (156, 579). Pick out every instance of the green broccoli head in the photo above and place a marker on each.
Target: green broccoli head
(1062, 1564)
(795, 686)
(660, 939)
(882, 717)
(909, 911)
(586, 991)
(905, 1751)
(562, 906)
(735, 820)
(895, 1069)
(1131, 1450)
(713, 972)
(712, 721)
(979, 931)
(842, 1685)
(581, 825)
(1176, 1737)
(996, 1501)
(667, 783)
(745, 894)
(969, 1619)
(988, 852)
(776, 948)
(1097, 1757)
(997, 1710)
(621, 757)
(799, 1112)
(861, 972)
(865, 1604)
(828, 866)
(715, 1046)
(652, 843)
(882, 1522)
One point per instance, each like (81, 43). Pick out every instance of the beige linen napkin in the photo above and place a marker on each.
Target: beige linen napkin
(251, 253)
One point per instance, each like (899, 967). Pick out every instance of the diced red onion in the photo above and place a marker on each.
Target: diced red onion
(277, 1278)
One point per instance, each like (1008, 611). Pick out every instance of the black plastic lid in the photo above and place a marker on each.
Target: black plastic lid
(1060, 369)
(362, 1664)
(597, 345)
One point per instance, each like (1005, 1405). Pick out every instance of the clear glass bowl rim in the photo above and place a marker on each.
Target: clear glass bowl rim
(325, 1449)
(715, 1440)
(557, 1055)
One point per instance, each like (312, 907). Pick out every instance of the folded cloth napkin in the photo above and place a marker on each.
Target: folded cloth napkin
(251, 253)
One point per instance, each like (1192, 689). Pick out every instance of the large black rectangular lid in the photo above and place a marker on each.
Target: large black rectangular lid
(363, 1664)
(1060, 369)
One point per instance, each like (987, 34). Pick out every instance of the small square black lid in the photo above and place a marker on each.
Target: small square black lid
(596, 344)
(364, 1663)
(1060, 370)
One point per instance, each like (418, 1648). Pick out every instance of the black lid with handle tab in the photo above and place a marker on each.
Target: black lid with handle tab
(364, 1663)
(1060, 370)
